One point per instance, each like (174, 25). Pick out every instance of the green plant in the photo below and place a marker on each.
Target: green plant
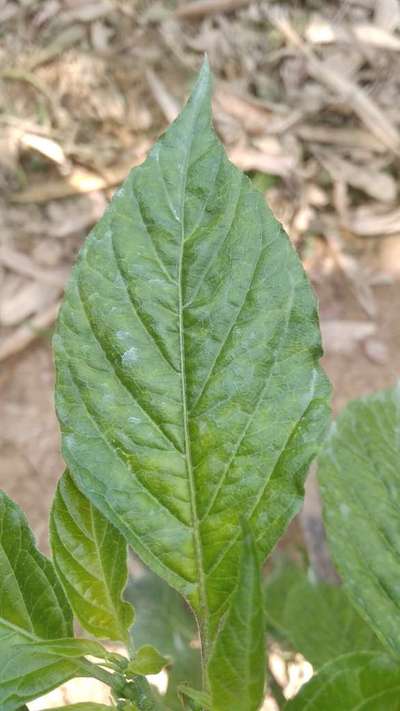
(191, 403)
(359, 477)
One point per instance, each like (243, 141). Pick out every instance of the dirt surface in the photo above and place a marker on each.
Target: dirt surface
(364, 369)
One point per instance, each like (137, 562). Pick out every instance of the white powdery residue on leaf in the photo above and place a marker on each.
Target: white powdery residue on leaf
(130, 356)
(344, 510)
(70, 441)
(120, 192)
(123, 335)
(108, 399)
(134, 420)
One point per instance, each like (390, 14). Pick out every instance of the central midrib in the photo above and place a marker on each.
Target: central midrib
(204, 615)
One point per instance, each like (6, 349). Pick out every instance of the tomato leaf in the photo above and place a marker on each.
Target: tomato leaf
(362, 680)
(188, 387)
(237, 665)
(90, 559)
(359, 476)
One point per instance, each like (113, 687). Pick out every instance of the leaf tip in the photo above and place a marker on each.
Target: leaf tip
(202, 88)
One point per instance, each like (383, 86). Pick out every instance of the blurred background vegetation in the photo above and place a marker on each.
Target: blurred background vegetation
(306, 102)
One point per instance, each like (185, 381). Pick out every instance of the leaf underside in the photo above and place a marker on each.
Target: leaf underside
(188, 387)
(90, 559)
(362, 681)
(360, 485)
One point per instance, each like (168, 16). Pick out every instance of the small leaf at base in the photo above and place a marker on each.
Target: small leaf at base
(147, 660)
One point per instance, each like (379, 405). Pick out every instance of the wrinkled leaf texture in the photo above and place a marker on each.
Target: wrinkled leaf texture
(360, 485)
(33, 612)
(362, 681)
(188, 387)
(89, 555)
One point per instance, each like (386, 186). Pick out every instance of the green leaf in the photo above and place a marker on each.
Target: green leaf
(360, 485)
(188, 387)
(32, 601)
(140, 695)
(30, 669)
(33, 608)
(277, 585)
(317, 619)
(90, 559)
(237, 665)
(362, 680)
(201, 700)
(147, 660)
(168, 623)
(69, 648)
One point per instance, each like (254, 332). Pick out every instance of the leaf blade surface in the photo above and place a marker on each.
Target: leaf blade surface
(236, 668)
(362, 681)
(188, 317)
(317, 619)
(33, 610)
(90, 558)
(359, 478)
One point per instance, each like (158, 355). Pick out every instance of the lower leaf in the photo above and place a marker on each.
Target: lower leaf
(193, 699)
(360, 487)
(236, 668)
(90, 559)
(317, 619)
(29, 669)
(362, 680)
